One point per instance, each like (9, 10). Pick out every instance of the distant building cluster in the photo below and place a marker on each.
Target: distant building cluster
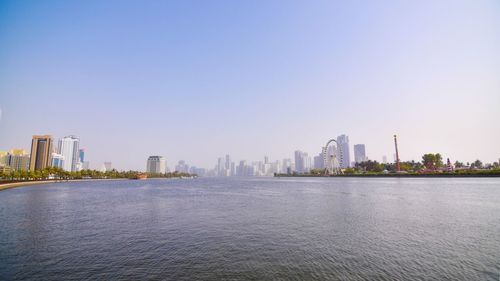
(15, 159)
(44, 153)
(158, 165)
(301, 163)
(183, 167)
(225, 167)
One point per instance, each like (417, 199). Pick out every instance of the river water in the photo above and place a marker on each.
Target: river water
(253, 229)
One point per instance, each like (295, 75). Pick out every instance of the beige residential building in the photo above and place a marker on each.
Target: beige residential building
(41, 151)
(18, 159)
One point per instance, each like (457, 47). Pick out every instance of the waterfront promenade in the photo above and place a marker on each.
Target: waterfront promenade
(8, 185)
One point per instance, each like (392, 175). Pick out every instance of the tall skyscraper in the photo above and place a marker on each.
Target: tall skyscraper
(225, 167)
(81, 155)
(82, 164)
(221, 167)
(228, 162)
(233, 169)
(156, 165)
(242, 169)
(302, 162)
(319, 161)
(299, 161)
(41, 150)
(68, 148)
(359, 153)
(343, 151)
(307, 163)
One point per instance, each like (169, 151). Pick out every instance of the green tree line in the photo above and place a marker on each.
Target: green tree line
(430, 163)
(60, 174)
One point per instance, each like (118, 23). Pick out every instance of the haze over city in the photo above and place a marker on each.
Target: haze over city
(198, 80)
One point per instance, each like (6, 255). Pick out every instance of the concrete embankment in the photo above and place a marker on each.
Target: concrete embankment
(4, 186)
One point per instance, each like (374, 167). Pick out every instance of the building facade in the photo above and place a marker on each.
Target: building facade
(69, 149)
(57, 160)
(41, 151)
(81, 155)
(18, 160)
(302, 162)
(343, 151)
(15, 159)
(359, 153)
(156, 165)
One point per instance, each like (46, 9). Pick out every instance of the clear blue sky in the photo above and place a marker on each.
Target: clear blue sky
(195, 80)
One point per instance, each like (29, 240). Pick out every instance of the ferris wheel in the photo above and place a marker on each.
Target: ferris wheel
(331, 159)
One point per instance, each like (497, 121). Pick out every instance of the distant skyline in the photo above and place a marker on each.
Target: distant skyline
(194, 80)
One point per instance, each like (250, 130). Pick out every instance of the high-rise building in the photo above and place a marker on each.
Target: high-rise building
(276, 167)
(384, 159)
(156, 165)
(242, 169)
(221, 167)
(225, 167)
(286, 166)
(41, 150)
(302, 162)
(359, 153)
(267, 169)
(228, 162)
(81, 155)
(233, 169)
(17, 159)
(307, 163)
(299, 161)
(57, 160)
(68, 148)
(182, 167)
(343, 151)
(319, 160)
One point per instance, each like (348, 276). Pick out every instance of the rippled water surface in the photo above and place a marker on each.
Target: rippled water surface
(252, 229)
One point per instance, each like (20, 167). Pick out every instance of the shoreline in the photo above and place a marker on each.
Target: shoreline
(393, 176)
(10, 185)
(5, 186)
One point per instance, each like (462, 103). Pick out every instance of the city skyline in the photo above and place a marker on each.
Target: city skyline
(302, 161)
(251, 79)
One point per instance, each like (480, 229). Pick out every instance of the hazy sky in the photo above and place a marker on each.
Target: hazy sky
(195, 80)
